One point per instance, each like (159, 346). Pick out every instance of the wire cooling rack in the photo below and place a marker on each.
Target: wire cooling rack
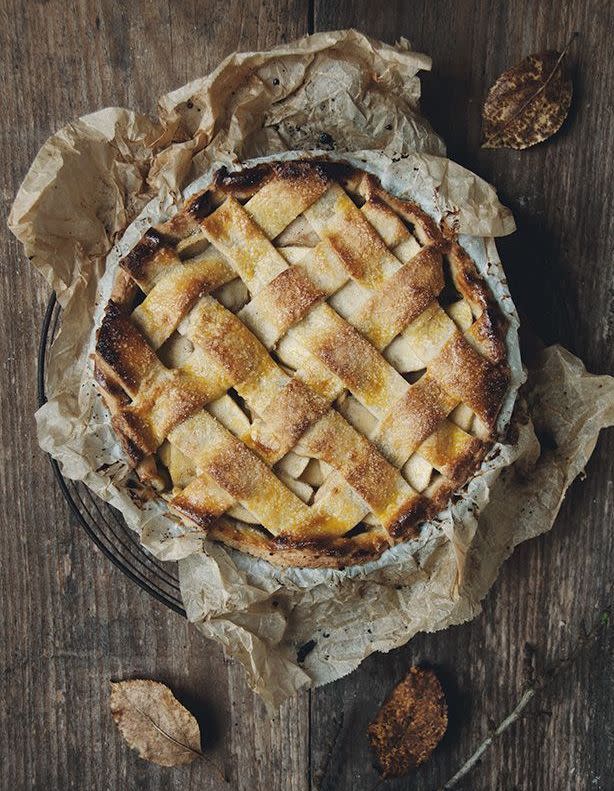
(102, 523)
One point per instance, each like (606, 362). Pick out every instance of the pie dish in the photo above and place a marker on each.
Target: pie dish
(302, 365)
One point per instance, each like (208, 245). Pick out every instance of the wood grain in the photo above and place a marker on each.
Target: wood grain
(71, 622)
(559, 265)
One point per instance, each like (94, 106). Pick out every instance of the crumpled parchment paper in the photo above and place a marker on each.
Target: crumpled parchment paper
(116, 170)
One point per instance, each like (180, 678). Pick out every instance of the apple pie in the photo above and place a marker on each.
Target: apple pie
(302, 365)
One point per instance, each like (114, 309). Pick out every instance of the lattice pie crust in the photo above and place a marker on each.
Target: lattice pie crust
(302, 365)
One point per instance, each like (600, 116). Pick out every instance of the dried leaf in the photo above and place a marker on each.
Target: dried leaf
(410, 724)
(154, 723)
(528, 103)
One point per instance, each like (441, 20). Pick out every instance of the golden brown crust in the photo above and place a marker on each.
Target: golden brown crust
(381, 263)
(469, 377)
(283, 550)
(286, 419)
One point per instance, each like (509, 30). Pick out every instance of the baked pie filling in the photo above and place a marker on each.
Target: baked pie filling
(302, 365)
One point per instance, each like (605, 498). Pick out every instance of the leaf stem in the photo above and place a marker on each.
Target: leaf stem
(485, 744)
(186, 747)
(546, 678)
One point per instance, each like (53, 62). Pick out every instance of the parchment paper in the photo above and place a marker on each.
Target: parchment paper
(343, 93)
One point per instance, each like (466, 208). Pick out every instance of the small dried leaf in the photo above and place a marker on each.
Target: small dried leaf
(528, 103)
(154, 723)
(410, 724)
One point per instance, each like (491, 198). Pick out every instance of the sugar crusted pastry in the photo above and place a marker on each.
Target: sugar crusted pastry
(302, 365)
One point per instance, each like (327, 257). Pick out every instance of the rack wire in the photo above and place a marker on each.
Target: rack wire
(104, 524)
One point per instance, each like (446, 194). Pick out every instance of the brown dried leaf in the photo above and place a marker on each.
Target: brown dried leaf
(154, 723)
(410, 724)
(528, 103)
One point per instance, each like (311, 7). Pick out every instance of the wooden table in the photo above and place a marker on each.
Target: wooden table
(71, 621)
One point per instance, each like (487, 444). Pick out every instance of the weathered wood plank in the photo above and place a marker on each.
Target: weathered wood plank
(71, 621)
(559, 266)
